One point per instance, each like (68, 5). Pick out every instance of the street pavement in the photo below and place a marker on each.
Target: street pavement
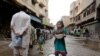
(75, 47)
(4, 49)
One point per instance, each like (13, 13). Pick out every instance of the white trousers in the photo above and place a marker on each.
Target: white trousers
(22, 52)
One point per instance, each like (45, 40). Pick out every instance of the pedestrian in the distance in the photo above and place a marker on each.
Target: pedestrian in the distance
(32, 38)
(59, 43)
(87, 35)
(40, 40)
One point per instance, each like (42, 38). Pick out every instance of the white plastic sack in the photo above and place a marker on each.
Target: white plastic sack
(59, 36)
(11, 45)
(17, 41)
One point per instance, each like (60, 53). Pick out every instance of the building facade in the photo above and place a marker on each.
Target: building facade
(73, 11)
(77, 7)
(46, 20)
(66, 20)
(72, 8)
(40, 7)
(98, 8)
(35, 8)
(86, 16)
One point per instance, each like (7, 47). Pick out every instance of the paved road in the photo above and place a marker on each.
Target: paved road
(74, 48)
(4, 49)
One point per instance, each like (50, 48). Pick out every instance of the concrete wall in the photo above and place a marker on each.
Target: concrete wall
(72, 9)
(37, 9)
(94, 28)
(97, 3)
(46, 20)
(73, 5)
(66, 20)
(83, 4)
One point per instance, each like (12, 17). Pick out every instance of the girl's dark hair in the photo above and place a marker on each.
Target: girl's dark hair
(61, 22)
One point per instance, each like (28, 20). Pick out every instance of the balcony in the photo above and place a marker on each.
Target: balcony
(92, 15)
(86, 14)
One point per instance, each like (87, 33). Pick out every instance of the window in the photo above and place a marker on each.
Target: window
(71, 12)
(71, 19)
(41, 16)
(88, 11)
(76, 9)
(34, 2)
(93, 8)
(46, 10)
(78, 18)
(84, 14)
(41, 5)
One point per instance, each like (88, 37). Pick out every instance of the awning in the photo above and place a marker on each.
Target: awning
(35, 19)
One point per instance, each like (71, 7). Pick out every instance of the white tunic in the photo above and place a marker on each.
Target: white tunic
(21, 24)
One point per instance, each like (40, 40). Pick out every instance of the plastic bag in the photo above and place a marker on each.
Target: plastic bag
(59, 36)
(11, 45)
(16, 41)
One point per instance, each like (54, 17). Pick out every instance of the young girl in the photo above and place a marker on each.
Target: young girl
(59, 43)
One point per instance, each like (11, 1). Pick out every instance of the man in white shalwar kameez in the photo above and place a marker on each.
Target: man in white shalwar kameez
(20, 25)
